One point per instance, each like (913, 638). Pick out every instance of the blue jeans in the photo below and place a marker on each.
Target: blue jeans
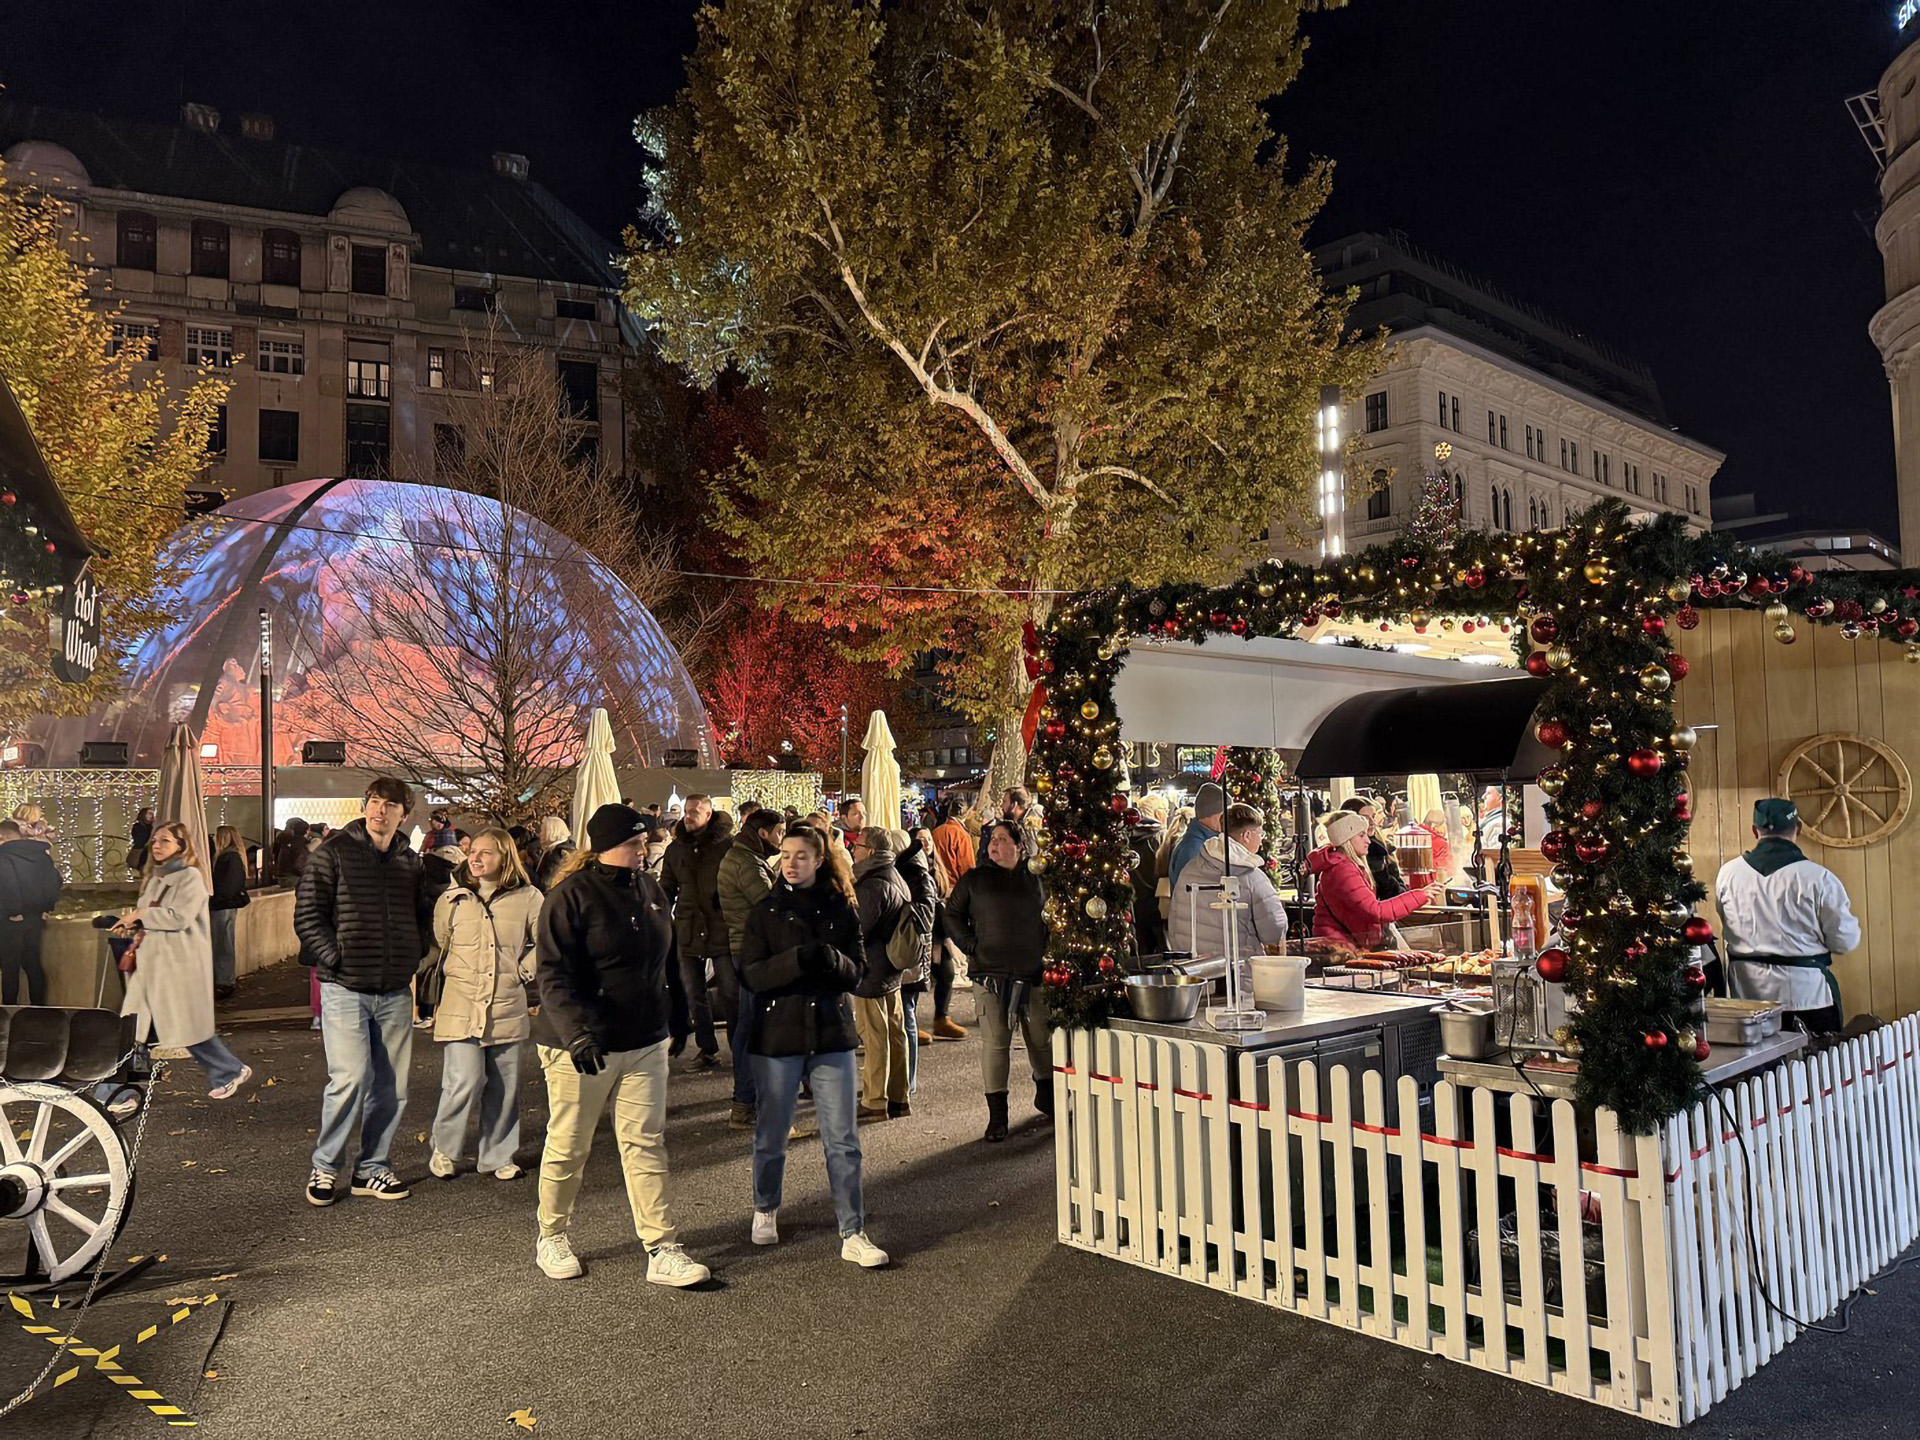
(910, 1002)
(369, 1043)
(739, 1038)
(490, 1075)
(225, 961)
(223, 1067)
(836, 1088)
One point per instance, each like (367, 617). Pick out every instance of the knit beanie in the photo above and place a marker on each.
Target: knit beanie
(1344, 826)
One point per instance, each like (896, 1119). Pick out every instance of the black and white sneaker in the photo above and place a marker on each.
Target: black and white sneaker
(323, 1187)
(383, 1185)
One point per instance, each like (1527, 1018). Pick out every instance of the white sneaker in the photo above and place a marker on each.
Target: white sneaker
(508, 1172)
(670, 1264)
(862, 1251)
(442, 1166)
(766, 1227)
(554, 1255)
(227, 1091)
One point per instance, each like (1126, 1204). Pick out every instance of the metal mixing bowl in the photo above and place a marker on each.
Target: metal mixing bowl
(1166, 999)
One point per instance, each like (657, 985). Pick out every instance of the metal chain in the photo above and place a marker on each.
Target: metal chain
(112, 1217)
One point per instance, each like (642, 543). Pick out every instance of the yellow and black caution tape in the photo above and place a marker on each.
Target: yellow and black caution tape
(107, 1362)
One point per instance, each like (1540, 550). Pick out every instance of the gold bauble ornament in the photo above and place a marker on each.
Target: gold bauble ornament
(1785, 634)
(1684, 739)
(1038, 864)
(1655, 680)
(1598, 572)
(1043, 784)
(1620, 903)
(1601, 728)
(1776, 613)
(1265, 591)
(1678, 589)
(1552, 782)
(1688, 1039)
(1683, 861)
(1089, 710)
(1106, 650)
(1559, 657)
(1096, 908)
(1103, 758)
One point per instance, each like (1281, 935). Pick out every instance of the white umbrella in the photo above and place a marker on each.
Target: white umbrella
(183, 795)
(594, 783)
(880, 775)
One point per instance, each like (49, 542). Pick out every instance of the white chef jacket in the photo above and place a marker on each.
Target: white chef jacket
(1800, 909)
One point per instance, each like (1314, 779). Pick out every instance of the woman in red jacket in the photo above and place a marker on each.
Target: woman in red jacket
(1345, 909)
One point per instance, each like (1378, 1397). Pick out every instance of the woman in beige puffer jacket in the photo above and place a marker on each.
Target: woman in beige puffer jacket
(483, 933)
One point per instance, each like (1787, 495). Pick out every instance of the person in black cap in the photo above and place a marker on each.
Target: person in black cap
(1784, 919)
(610, 998)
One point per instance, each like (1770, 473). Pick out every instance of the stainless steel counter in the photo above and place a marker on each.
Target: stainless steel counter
(1327, 1013)
(1726, 1062)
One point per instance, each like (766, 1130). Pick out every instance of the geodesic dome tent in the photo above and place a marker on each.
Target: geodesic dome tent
(400, 613)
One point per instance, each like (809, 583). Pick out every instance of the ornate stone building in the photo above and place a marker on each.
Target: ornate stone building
(340, 289)
(1890, 119)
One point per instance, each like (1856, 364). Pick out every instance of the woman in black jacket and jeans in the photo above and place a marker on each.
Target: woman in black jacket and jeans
(800, 960)
(997, 916)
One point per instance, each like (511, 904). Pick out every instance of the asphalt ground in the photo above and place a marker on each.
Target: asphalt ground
(427, 1318)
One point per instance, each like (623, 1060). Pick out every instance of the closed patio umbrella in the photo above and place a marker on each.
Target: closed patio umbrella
(880, 774)
(594, 783)
(183, 794)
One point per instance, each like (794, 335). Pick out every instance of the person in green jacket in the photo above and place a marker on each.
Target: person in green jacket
(745, 878)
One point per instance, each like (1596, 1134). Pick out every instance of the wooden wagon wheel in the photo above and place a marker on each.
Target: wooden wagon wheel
(64, 1171)
(1851, 790)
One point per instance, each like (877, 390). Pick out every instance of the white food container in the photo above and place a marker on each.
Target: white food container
(1280, 982)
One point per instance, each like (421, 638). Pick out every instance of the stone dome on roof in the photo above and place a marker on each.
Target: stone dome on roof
(384, 596)
(46, 163)
(367, 207)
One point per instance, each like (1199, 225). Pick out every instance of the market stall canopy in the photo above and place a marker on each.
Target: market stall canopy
(36, 501)
(1270, 693)
(1478, 729)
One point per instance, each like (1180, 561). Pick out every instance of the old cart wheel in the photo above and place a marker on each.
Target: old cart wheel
(64, 1172)
(1851, 790)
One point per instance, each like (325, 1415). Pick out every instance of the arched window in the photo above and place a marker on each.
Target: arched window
(1460, 492)
(1493, 499)
(1507, 496)
(1533, 514)
(1380, 499)
(1546, 513)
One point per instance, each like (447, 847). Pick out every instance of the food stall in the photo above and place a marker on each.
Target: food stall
(1643, 1235)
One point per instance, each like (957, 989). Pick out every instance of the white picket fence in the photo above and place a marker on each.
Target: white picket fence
(1285, 1187)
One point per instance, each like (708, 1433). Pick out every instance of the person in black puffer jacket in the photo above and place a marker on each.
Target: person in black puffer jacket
(916, 868)
(609, 979)
(883, 898)
(800, 957)
(690, 871)
(363, 924)
(997, 915)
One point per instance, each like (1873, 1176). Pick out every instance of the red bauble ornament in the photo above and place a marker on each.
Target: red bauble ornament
(1238, 627)
(1655, 1039)
(1676, 664)
(1552, 965)
(7, 497)
(1107, 967)
(1702, 1050)
(1476, 577)
(1056, 729)
(1217, 619)
(1552, 734)
(1537, 665)
(1592, 809)
(1545, 629)
(1798, 574)
(1696, 977)
(1590, 848)
(1131, 818)
(1697, 931)
(1332, 607)
(1572, 919)
(1645, 762)
(1907, 629)
(50, 547)
(1553, 844)
(1686, 617)
(1683, 807)
(1653, 624)
(1118, 804)
(1385, 627)
(1467, 627)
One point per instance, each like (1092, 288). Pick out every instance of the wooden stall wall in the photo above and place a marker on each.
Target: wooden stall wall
(1753, 699)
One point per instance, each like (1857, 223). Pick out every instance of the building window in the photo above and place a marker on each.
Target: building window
(467, 375)
(473, 297)
(577, 310)
(280, 435)
(1493, 502)
(580, 389)
(283, 355)
(1529, 442)
(1533, 514)
(369, 370)
(1575, 448)
(210, 244)
(137, 240)
(1455, 427)
(1460, 495)
(1376, 411)
(1503, 433)
(369, 270)
(369, 432)
(449, 448)
(1490, 429)
(1443, 409)
(436, 369)
(1506, 497)
(585, 450)
(142, 335)
(280, 257)
(217, 433)
(209, 345)
(1563, 452)
(1380, 501)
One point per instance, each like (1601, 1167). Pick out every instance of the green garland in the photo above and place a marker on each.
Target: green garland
(1601, 595)
(1253, 777)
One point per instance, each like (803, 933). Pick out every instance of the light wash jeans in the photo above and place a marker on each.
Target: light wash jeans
(836, 1081)
(225, 963)
(910, 1002)
(223, 1067)
(488, 1075)
(369, 1043)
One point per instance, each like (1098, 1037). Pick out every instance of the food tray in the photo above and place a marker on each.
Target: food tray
(1742, 1022)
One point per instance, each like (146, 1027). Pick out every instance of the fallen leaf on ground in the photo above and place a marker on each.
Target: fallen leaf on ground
(181, 1131)
(421, 1138)
(269, 1081)
(215, 1170)
(188, 1164)
(209, 1374)
(522, 1419)
(230, 1275)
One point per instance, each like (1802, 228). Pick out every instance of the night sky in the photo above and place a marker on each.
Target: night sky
(1679, 178)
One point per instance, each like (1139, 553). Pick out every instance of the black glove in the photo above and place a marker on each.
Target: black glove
(676, 1045)
(816, 958)
(588, 1057)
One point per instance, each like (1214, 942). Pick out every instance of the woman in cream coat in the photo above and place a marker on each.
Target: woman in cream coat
(171, 987)
(483, 931)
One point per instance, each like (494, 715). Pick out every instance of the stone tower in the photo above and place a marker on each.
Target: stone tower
(1896, 328)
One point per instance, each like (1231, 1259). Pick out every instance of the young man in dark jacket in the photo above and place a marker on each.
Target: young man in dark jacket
(611, 1012)
(882, 897)
(364, 922)
(690, 873)
(30, 886)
